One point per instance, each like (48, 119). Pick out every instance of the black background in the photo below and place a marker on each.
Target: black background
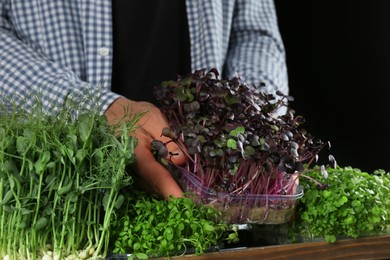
(338, 58)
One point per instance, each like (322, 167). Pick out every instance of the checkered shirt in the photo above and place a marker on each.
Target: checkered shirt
(64, 47)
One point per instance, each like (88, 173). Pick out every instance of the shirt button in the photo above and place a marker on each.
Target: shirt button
(103, 51)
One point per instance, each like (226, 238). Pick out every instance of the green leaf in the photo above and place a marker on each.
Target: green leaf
(208, 227)
(22, 145)
(168, 83)
(41, 223)
(231, 143)
(72, 196)
(106, 199)
(81, 154)
(356, 203)
(41, 164)
(238, 130)
(189, 95)
(141, 256)
(183, 94)
(216, 152)
(11, 183)
(7, 197)
(327, 194)
(84, 129)
(72, 141)
(275, 128)
(8, 209)
(341, 201)
(10, 166)
(180, 226)
(232, 99)
(234, 170)
(219, 143)
(39, 167)
(50, 165)
(119, 202)
(136, 246)
(98, 156)
(25, 211)
(66, 188)
(330, 238)
(163, 243)
(249, 150)
(233, 237)
(138, 227)
(169, 236)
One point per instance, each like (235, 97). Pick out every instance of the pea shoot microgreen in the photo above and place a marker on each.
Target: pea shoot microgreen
(60, 176)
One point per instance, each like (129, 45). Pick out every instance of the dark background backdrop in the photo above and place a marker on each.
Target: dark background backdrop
(338, 57)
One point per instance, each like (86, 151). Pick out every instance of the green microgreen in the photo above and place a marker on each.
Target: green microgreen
(60, 176)
(355, 203)
(155, 227)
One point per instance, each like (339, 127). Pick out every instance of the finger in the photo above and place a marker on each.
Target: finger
(151, 124)
(176, 153)
(157, 177)
(153, 127)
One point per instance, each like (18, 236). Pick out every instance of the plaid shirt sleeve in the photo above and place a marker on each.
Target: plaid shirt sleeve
(41, 53)
(239, 38)
(256, 50)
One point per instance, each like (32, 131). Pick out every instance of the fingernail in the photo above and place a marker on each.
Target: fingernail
(178, 157)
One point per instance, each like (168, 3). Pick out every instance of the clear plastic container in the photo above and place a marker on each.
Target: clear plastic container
(243, 208)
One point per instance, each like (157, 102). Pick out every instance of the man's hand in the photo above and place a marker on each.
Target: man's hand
(149, 128)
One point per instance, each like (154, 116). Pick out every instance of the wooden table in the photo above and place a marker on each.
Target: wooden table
(360, 248)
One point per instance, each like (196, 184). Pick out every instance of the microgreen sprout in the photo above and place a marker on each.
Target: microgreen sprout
(151, 227)
(234, 136)
(60, 176)
(355, 203)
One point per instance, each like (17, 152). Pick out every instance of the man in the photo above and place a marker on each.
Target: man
(62, 47)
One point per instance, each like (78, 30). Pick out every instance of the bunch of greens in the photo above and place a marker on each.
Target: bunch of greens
(354, 203)
(235, 137)
(60, 176)
(152, 227)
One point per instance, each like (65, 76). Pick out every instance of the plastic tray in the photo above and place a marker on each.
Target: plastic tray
(243, 208)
